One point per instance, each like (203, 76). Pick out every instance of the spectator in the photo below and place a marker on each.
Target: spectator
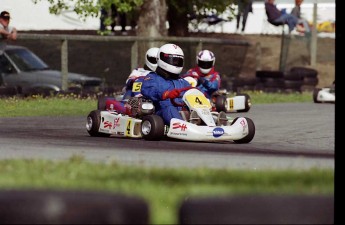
(297, 12)
(280, 17)
(244, 8)
(208, 79)
(104, 15)
(123, 23)
(7, 32)
(113, 15)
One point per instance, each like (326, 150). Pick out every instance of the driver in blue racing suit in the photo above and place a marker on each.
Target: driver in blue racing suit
(165, 84)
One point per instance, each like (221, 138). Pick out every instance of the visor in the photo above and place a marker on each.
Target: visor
(152, 59)
(174, 60)
(205, 64)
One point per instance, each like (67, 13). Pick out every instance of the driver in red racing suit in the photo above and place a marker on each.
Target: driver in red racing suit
(207, 78)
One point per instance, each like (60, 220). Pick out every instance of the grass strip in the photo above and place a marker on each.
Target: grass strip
(163, 189)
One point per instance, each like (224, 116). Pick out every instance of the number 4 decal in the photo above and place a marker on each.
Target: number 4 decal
(197, 100)
(128, 128)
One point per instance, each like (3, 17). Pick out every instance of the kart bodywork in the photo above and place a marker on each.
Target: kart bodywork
(223, 101)
(324, 95)
(199, 123)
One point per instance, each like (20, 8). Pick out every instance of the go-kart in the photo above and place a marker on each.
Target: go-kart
(223, 101)
(199, 122)
(324, 95)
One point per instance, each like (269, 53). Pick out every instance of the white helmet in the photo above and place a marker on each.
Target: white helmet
(151, 58)
(205, 61)
(171, 59)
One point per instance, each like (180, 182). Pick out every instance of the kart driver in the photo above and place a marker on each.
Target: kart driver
(150, 65)
(133, 83)
(207, 78)
(165, 84)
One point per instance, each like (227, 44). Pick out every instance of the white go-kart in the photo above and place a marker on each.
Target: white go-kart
(199, 122)
(324, 95)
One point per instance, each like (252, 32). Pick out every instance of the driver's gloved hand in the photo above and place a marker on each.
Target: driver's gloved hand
(174, 93)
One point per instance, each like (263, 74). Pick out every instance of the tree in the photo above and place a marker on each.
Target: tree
(153, 14)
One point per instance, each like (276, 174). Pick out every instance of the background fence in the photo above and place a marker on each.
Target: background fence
(113, 57)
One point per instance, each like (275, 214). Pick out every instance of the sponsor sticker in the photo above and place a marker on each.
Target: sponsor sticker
(217, 132)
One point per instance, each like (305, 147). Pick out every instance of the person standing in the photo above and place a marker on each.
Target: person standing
(244, 8)
(7, 32)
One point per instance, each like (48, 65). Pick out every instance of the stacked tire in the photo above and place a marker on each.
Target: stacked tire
(240, 84)
(308, 76)
(270, 81)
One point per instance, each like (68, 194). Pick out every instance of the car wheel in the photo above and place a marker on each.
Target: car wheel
(251, 132)
(152, 127)
(93, 123)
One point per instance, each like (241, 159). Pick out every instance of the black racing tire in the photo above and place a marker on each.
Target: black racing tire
(269, 74)
(93, 123)
(248, 102)
(71, 207)
(293, 84)
(152, 128)
(251, 132)
(293, 77)
(315, 94)
(311, 81)
(257, 209)
(304, 72)
(273, 82)
(221, 103)
(101, 102)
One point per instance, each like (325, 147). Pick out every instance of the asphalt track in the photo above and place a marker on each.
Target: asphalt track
(288, 135)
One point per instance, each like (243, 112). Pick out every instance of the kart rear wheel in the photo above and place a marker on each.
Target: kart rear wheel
(248, 103)
(315, 94)
(152, 127)
(221, 103)
(251, 132)
(101, 103)
(93, 123)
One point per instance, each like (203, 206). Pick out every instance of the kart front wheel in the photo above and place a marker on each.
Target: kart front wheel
(152, 127)
(251, 132)
(93, 123)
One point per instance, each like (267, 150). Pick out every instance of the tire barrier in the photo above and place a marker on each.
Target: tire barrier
(297, 79)
(258, 209)
(70, 207)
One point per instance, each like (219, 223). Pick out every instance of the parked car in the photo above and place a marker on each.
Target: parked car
(24, 73)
